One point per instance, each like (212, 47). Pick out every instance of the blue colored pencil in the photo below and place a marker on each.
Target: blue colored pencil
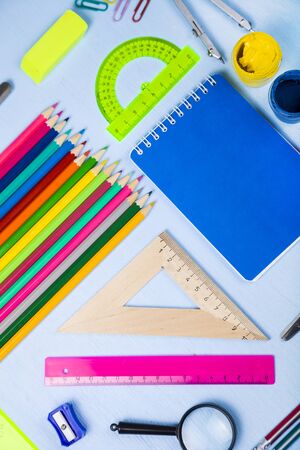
(33, 153)
(40, 173)
(20, 179)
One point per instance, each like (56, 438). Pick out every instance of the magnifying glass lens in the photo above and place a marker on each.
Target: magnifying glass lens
(206, 428)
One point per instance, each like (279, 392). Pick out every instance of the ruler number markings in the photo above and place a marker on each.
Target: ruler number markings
(208, 298)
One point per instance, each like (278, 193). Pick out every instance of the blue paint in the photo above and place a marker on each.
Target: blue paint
(284, 96)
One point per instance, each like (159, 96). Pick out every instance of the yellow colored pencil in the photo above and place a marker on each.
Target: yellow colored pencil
(55, 216)
(74, 281)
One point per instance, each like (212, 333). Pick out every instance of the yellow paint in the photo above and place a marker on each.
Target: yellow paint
(71, 284)
(256, 58)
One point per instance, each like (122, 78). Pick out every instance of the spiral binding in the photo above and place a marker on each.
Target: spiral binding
(168, 119)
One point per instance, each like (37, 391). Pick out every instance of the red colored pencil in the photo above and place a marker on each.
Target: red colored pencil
(25, 141)
(58, 233)
(34, 192)
(278, 431)
(43, 196)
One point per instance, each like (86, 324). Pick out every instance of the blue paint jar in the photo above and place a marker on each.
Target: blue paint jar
(284, 96)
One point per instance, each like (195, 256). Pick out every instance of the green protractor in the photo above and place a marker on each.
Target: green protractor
(178, 63)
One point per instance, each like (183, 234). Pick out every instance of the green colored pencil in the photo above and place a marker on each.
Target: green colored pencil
(33, 166)
(56, 221)
(289, 439)
(65, 239)
(69, 273)
(86, 166)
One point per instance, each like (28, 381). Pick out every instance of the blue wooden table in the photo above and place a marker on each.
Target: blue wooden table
(271, 302)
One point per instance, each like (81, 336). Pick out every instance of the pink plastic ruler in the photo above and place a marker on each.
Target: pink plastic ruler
(142, 370)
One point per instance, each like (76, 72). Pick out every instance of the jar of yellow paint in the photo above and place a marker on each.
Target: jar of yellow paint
(256, 58)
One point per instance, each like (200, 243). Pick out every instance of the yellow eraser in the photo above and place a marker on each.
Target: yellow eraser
(51, 48)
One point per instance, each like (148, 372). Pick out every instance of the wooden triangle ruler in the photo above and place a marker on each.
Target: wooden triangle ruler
(216, 316)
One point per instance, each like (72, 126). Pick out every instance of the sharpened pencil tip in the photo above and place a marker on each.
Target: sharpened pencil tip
(60, 113)
(140, 177)
(87, 153)
(68, 132)
(83, 143)
(54, 105)
(82, 131)
(98, 155)
(67, 119)
(105, 147)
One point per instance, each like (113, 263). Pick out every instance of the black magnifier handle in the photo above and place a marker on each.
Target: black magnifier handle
(140, 428)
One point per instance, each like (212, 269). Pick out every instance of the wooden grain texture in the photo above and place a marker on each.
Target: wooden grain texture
(215, 317)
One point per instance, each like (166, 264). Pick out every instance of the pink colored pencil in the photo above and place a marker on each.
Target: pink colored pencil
(58, 233)
(68, 249)
(25, 141)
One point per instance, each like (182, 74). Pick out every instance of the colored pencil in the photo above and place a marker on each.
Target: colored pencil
(115, 234)
(280, 429)
(45, 207)
(14, 292)
(70, 166)
(55, 274)
(40, 187)
(35, 131)
(67, 244)
(58, 233)
(41, 172)
(51, 220)
(33, 153)
(35, 164)
(289, 439)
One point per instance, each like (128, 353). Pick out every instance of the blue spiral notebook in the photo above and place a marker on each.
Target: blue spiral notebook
(242, 188)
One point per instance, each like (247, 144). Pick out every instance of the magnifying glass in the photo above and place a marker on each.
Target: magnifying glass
(204, 427)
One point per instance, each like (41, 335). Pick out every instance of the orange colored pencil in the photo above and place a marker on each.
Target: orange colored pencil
(36, 190)
(36, 203)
